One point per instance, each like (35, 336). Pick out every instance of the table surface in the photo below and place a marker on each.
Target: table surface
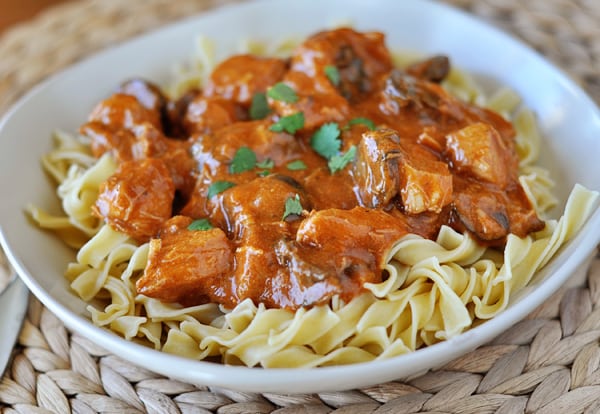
(19, 11)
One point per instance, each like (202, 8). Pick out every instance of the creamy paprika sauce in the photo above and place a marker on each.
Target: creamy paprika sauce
(287, 181)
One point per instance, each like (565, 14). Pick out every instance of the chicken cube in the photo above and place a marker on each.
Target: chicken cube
(111, 121)
(240, 77)
(137, 199)
(317, 106)
(205, 115)
(147, 93)
(186, 266)
(479, 151)
(425, 182)
(358, 58)
(340, 232)
(261, 200)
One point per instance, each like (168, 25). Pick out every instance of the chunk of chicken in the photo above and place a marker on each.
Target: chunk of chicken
(318, 107)
(360, 60)
(214, 153)
(337, 234)
(425, 182)
(147, 93)
(111, 121)
(478, 150)
(261, 200)
(254, 216)
(239, 77)
(188, 266)
(146, 141)
(386, 167)
(137, 199)
(205, 115)
(334, 252)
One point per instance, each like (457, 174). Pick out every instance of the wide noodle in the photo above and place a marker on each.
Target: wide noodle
(433, 290)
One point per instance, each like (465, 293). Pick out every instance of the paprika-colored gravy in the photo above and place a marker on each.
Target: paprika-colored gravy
(287, 181)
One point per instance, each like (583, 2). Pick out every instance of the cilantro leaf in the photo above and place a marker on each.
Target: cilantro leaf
(218, 187)
(296, 165)
(363, 121)
(332, 74)
(282, 92)
(290, 123)
(292, 207)
(259, 108)
(263, 173)
(243, 160)
(326, 140)
(338, 162)
(268, 164)
(200, 224)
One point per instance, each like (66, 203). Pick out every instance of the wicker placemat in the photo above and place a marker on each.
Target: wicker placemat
(548, 363)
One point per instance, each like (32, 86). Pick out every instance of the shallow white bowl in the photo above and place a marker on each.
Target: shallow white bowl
(567, 117)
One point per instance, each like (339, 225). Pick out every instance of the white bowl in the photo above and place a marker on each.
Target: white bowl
(568, 118)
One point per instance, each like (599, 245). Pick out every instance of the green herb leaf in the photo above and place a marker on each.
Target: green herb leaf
(259, 108)
(332, 74)
(292, 207)
(218, 187)
(296, 165)
(338, 162)
(263, 173)
(243, 160)
(282, 92)
(326, 140)
(289, 124)
(200, 224)
(268, 163)
(363, 121)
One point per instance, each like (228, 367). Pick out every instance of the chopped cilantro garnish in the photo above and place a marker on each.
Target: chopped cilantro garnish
(263, 173)
(326, 140)
(268, 163)
(338, 162)
(363, 121)
(200, 224)
(282, 92)
(292, 207)
(259, 108)
(290, 123)
(332, 74)
(243, 160)
(296, 165)
(218, 187)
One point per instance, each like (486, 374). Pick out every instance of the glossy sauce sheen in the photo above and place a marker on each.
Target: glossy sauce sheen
(287, 230)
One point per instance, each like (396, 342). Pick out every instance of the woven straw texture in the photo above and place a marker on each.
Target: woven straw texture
(548, 363)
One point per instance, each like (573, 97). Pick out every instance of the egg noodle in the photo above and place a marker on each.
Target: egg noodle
(434, 289)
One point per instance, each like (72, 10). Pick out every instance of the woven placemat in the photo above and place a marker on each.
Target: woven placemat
(547, 363)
